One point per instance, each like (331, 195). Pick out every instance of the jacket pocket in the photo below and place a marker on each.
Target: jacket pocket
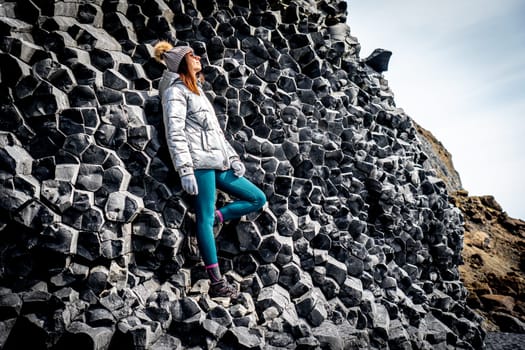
(205, 141)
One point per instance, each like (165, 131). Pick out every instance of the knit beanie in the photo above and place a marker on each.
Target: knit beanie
(173, 57)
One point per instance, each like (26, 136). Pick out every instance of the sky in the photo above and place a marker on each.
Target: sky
(458, 70)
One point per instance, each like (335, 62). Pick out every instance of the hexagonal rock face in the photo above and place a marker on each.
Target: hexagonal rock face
(58, 194)
(123, 207)
(90, 177)
(15, 160)
(116, 178)
(148, 224)
(59, 238)
(358, 240)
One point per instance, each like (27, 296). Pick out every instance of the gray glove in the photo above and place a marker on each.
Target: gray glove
(189, 184)
(238, 168)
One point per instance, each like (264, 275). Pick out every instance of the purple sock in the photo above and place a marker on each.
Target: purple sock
(219, 216)
(213, 272)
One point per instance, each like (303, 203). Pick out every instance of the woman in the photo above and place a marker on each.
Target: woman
(202, 156)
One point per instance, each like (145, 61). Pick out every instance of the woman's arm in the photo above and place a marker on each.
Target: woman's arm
(230, 151)
(175, 109)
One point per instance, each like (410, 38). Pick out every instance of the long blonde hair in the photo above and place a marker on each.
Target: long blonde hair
(188, 79)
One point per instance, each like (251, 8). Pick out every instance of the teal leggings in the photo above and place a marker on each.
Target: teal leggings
(249, 198)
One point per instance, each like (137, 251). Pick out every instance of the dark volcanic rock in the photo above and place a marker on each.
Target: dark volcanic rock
(493, 246)
(358, 246)
(378, 60)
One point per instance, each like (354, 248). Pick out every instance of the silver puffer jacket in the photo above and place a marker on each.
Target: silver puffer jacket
(193, 133)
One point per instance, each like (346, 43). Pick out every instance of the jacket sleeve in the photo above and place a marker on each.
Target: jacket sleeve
(174, 110)
(230, 151)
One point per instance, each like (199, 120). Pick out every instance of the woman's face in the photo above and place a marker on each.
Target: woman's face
(194, 63)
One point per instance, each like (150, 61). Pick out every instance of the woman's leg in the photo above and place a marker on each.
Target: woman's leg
(250, 197)
(205, 210)
(205, 213)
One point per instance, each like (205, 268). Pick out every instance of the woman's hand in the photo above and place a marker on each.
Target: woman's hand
(189, 184)
(238, 168)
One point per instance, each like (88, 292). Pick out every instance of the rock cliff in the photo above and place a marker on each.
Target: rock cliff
(493, 268)
(359, 246)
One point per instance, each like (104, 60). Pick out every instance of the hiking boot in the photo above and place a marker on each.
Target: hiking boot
(222, 288)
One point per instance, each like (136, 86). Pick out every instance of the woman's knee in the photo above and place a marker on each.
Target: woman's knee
(259, 199)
